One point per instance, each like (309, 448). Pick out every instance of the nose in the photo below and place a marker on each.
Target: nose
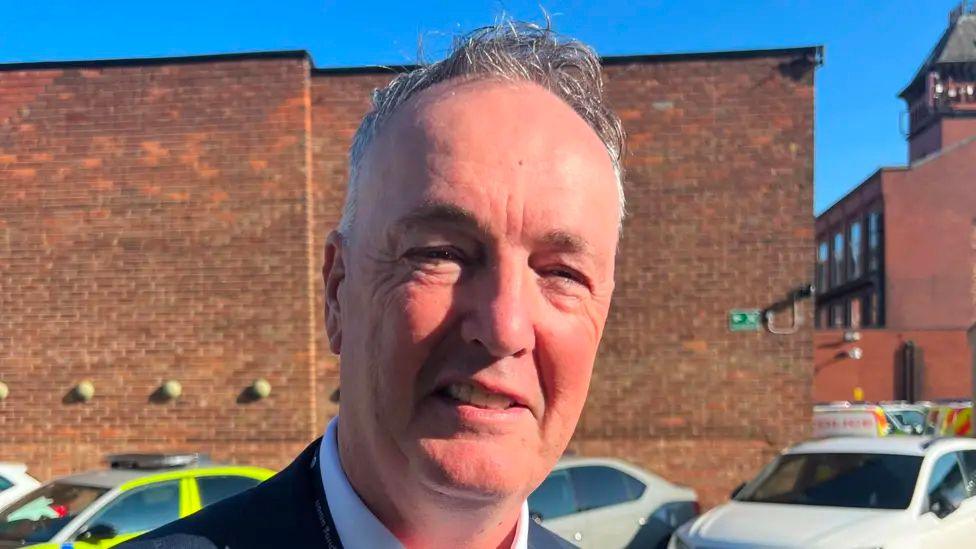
(499, 312)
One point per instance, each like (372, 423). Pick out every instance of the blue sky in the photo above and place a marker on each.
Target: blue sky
(873, 47)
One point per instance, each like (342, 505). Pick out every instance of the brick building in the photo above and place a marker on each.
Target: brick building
(896, 257)
(164, 219)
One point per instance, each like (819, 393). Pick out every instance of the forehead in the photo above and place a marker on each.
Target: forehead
(492, 148)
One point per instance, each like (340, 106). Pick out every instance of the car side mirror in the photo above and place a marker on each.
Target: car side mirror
(536, 516)
(98, 532)
(736, 491)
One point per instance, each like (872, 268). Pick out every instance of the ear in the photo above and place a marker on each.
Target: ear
(333, 274)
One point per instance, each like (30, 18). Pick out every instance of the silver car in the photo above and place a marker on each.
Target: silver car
(602, 502)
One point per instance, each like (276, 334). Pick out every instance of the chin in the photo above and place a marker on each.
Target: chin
(478, 469)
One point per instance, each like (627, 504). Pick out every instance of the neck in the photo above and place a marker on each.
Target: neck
(419, 516)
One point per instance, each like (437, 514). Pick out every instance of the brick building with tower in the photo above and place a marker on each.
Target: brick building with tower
(163, 220)
(896, 257)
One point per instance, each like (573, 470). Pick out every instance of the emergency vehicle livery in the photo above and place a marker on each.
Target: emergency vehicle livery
(138, 493)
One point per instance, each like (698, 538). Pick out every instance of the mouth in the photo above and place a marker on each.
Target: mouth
(475, 395)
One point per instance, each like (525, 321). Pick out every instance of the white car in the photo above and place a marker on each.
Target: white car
(850, 493)
(14, 482)
(601, 502)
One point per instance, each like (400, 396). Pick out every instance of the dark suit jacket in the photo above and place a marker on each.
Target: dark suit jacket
(288, 510)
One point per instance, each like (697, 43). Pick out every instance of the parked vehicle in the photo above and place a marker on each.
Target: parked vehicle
(850, 492)
(951, 419)
(599, 502)
(910, 417)
(846, 419)
(14, 482)
(139, 492)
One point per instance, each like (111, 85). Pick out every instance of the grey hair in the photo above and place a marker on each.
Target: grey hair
(508, 51)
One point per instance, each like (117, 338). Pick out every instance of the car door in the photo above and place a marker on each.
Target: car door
(608, 505)
(132, 513)
(553, 505)
(950, 512)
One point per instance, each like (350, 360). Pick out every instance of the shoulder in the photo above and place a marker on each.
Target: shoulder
(540, 538)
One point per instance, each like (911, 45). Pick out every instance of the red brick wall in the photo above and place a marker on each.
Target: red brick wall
(955, 130)
(719, 190)
(925, 143)
(947, 359)
(202, 275)
(339, 101)
(930, 255)
(153, 226)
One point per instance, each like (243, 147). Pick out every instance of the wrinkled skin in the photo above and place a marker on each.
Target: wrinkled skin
(482, 252)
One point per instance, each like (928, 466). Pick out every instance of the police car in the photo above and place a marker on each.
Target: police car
(14, 482)
(850, 492)
(138, 493)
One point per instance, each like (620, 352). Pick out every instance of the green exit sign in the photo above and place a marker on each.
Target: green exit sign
(745, 320)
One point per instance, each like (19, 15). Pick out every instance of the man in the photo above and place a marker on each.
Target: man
(467, 289)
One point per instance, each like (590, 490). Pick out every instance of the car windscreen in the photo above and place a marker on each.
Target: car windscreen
(868, 481)
(39, 515)
(912, 418)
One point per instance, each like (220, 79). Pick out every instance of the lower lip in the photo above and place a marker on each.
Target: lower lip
(468, 414)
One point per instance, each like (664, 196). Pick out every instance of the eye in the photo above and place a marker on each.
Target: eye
(566, 275)
(434, 255)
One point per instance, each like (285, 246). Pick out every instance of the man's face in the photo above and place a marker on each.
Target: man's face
(474, 288)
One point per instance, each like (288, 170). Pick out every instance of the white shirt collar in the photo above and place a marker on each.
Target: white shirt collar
(357, 525)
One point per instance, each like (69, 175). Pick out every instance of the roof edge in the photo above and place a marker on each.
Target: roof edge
(151, 61)
(817, 51)
(865, 181)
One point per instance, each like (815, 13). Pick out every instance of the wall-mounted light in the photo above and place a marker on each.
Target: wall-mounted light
(856, 353)
(171, 389)
(260, 388)
(851, 336)
(4, 391)
(85, 390)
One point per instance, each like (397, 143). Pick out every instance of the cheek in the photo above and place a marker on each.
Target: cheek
(412, 323)
(566, 354)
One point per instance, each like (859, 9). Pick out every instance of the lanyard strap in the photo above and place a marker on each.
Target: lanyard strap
(326, 524)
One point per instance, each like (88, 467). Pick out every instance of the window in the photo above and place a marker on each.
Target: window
(42, 513)
(969, 469)
(867, 481)
(554, 497)
(947, 485)
(142, 509)
(855, 265)
(214, 489)
(837, 315)
(837, 268)
(873, 314)
(823, 256)
(854, 312)
(823, 317)
(874, 241)
(597, 486)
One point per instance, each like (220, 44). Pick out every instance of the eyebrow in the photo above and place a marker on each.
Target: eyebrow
(441, 212)
(452, 214)
(567, 242)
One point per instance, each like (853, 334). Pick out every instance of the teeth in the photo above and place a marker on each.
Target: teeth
(470, 394)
